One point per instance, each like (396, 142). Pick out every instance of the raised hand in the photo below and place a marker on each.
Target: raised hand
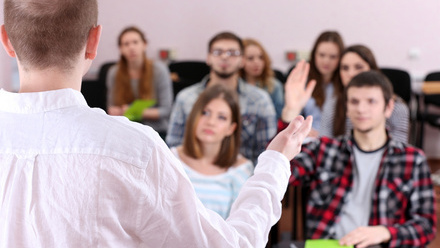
(289, 141)
(296, 93)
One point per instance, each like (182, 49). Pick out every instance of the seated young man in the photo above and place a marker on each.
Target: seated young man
(365, 188)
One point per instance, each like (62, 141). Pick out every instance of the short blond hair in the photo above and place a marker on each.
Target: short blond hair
(49, 33)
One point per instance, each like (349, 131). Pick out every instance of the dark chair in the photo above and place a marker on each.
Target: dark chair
(401, 81)
(429, 100)
(279, 75)
(289, 71)
(186, 73)
(95, 91)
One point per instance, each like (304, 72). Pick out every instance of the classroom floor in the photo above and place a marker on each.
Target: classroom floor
(285, 223)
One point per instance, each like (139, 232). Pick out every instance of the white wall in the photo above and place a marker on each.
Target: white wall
(389, 28)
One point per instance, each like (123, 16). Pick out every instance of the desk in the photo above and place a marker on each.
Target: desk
(426, 90)
(301, 244)
(431, 87)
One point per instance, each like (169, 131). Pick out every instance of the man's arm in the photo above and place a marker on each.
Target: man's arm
(420, 229)
(170, 213)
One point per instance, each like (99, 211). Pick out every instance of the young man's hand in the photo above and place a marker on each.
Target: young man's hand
(365, 236)
(296, 93)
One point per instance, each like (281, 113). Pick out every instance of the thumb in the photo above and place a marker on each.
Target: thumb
(294, 125)
(310, 87)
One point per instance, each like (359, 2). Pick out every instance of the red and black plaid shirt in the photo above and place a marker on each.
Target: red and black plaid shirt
(403, 198)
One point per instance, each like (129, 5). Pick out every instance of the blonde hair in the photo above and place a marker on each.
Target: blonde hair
(266, 77)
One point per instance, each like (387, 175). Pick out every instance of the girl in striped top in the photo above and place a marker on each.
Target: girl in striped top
(210, 149)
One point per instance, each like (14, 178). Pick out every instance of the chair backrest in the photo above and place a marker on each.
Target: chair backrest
(401, 81)
(186, 73)
(190, 70)
(432, 99)
(95, 91)
(289, 71)
(279, 75)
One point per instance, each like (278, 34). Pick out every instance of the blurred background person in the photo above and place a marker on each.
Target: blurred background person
(324, 61)
(258, 71)
(137, 77)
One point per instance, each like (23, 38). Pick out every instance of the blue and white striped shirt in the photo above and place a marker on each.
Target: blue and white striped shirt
(218, 192)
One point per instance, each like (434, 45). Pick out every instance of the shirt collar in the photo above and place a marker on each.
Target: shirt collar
(391, 144)
(36, 102)
(240, 86)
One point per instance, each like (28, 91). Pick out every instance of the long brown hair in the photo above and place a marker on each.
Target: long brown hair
(123, 93)
(230, 146)
(319, 91)
(267, 74)
(341, 107)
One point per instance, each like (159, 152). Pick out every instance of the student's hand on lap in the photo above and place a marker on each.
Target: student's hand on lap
(366, 236)
(115, 110)
(124, 108)
(296, 93)
(289, 141)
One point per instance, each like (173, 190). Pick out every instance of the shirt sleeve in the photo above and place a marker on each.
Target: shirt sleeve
(277, 97)
(171, 214)
(313, 109)
(176, 126)
(266, 126)
(164, 91)
(110, 83)
(398, 123)
(420, 229)
(303, 166)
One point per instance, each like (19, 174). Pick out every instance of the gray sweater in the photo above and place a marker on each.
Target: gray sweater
(163, 92)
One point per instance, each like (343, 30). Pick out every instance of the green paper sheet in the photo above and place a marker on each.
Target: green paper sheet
(134, 112)
(325, 243)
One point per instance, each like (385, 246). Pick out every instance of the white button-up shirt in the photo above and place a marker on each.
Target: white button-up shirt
(72, 176)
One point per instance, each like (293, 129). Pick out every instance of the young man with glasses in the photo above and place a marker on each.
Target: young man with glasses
(225, 57)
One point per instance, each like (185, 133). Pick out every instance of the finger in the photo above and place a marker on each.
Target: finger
(310, 87)
(305, 72)
(305, 128)
(296, 72)
(294, 125)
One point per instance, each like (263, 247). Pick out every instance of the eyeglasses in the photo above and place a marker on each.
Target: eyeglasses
(228, 53)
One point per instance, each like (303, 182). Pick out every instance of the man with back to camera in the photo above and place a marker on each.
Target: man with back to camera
(72, 176)
(365, 188)
(225, 57)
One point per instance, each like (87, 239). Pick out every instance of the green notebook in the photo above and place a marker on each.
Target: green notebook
(327, 243)
(134, 112)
